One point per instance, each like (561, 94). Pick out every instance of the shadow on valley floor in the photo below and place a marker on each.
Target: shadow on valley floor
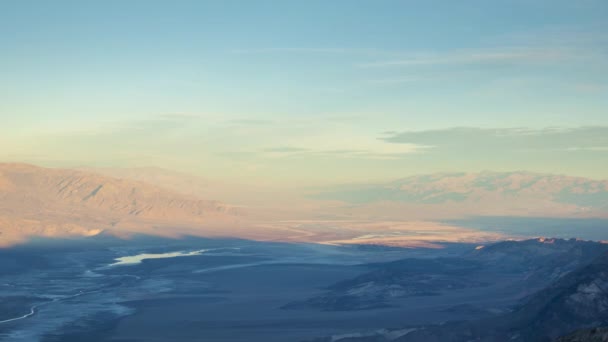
(194, 289)
(223, 289)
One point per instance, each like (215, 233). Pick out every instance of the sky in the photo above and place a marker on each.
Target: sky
(306, 92)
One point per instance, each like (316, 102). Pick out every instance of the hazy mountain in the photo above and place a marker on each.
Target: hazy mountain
(57, 202)
(485, 193)
(266, 201)
(182, 182)
(37, 201)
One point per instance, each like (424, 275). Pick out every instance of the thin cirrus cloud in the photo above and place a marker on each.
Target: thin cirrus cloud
(395, 81)
(250, 122)
(514, 55)
(531, 48)
(285, 149)
(312, 50)
(589, 148)
(470, 139)
(363, 148)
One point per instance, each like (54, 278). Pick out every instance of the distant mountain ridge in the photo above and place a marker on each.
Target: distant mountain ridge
(36, 201)
(57, 202)
(184, 183)
(485, 193)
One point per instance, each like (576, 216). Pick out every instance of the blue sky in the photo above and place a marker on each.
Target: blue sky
(306, 91)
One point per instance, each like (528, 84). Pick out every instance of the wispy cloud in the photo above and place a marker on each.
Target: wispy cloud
(178, 117)
(364, 149)
(478, 56)
(395, 81)
(285, 149)
(311, 50)
(499, 140)
(588, 148)
(529, 47)
(250, 122)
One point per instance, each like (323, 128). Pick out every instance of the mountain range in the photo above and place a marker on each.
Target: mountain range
(49, 202)
(486, 193)
(54, 202)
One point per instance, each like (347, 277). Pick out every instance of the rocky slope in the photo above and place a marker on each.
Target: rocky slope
(578, 300)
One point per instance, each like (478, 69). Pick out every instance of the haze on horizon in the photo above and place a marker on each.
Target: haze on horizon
(306, 93)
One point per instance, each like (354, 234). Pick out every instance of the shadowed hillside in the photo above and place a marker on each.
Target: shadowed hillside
(574, 301)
